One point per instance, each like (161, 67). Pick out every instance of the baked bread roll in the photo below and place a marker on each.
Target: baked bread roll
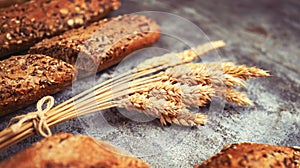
(254, 155)
(22, 85)
(23, 25)
(66, 150)
(102, 44)
(27, 78)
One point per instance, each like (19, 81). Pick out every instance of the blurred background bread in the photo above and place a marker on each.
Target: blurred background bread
(23, 25)
(254, 155)
(66, 150)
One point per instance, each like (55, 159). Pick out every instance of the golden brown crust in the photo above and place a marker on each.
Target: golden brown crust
(16, 93)
(254, 155)
(101, 44)
(23, 25)
(26, 79)
(66, 150)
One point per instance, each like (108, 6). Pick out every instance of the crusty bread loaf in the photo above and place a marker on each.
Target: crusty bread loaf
(66, 150)
(125, 33)
(26, 79)
(23, 25)
(101, 44)
(254, 155)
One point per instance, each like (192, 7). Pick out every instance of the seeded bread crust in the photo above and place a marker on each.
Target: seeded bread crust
(66, 150)
(254, 155)
(26, 79)
(102, 44)
(23, 25)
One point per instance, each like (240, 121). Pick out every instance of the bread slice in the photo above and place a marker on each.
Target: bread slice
(66, 150)
(23, 25)
(254, 155)
(102, 44)
(27, 78)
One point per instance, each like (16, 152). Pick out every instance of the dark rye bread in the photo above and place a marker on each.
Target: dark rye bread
(66, 150)
(254, 155)
(101, 44)
(23, 25)
(27, 78)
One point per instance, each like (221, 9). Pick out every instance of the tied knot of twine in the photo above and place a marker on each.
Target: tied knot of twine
(38, 118)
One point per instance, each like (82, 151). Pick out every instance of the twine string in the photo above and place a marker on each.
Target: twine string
(38, 118)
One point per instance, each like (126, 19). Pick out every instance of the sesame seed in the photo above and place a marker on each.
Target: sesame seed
(70, 22)
(8, 36)
(64, 11)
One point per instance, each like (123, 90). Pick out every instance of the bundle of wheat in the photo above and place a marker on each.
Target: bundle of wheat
(157, 87)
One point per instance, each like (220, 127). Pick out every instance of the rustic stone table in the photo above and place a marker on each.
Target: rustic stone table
(263, 33)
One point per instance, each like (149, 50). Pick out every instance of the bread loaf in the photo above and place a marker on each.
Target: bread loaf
(21, 85)
(23, 25)
(26, 79)
(254, 155)
(101, 44)
(66, 150)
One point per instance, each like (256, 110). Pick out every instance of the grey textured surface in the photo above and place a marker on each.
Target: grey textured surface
(265, 34)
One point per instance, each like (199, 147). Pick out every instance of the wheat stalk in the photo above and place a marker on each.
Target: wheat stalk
(242, 71)
(186, 56)
(236, 97)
